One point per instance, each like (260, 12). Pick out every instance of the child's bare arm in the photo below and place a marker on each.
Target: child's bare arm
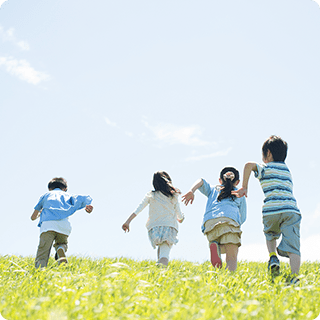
(189, 196)
(35, 215)
(125, 226)
(248, 168)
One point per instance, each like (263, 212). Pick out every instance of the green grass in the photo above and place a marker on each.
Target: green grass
(128, 289)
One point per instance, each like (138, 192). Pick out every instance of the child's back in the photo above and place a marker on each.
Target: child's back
(280, 213)
(276, 182)
(54, 208)
(164, 212)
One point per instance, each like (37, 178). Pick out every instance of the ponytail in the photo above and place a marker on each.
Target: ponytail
(229, 176)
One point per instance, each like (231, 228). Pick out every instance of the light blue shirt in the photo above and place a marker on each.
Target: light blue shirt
(58, 205)
(234, 209)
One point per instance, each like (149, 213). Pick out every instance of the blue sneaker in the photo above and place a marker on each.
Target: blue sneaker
(274, 265)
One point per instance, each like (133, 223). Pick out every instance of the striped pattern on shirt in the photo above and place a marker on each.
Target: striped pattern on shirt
(276, 182)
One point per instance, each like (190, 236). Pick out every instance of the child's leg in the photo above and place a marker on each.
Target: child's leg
(295, 262)
(231, 251)
(271, 245)
(273, 263)
(44, 248)
(290, 242)
(272, 232)
(61, 246)
(215, 254)
(163, 253)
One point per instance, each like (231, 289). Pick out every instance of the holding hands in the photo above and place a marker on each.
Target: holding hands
(240, 192)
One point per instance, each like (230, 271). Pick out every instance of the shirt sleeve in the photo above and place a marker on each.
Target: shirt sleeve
(243, 210)
(143, 203)
(79, 202)
(177, 209)
(39, 205)
(260, 171)
(205, 188)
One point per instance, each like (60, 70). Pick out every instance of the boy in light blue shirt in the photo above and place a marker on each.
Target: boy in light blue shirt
(54, 208)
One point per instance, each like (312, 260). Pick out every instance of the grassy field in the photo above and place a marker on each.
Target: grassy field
(128, 289)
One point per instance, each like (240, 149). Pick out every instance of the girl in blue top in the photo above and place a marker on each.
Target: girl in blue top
(224, 215)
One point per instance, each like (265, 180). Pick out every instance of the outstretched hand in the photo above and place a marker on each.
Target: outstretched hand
(89, 208)
(240, 192)
(188, 197)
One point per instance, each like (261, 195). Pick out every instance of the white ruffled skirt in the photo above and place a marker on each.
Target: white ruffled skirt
(159, 235)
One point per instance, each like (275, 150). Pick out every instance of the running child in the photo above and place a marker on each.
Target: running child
(54, 208)
(280, 212)
(164, 212)
(224, 215)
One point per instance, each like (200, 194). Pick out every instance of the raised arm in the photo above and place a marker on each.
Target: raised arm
(189, 196)
(248, 168)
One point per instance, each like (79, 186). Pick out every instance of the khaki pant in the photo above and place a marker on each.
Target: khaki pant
(45, 244)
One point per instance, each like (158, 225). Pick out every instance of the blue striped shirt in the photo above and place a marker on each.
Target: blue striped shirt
(276, 182)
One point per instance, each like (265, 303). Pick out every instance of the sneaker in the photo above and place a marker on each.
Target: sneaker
(215, 254)
(274, 265)
(61, 255)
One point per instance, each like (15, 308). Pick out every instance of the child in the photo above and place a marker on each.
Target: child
(164, 212)
(223, 216)
(281, 215)
(54, 208)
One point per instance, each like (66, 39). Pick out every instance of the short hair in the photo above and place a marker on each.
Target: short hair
(60, 183)
(277, 147)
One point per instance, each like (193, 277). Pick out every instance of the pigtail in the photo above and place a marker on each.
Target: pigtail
(229, 176)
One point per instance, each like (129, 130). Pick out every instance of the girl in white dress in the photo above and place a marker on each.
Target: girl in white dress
(164, 213)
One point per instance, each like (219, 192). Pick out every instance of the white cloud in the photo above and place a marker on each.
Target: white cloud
(211, 155)
(23, 70)
(109, 122)
(129, 134)
(173, 134)
(9, 36)
(317, 1)
(2, 2)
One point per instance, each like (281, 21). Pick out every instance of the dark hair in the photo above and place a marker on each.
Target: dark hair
(162, 182)
(60, 183)
(277, 147)
(229, 176)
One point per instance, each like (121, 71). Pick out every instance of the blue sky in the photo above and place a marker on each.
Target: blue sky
(108, 92)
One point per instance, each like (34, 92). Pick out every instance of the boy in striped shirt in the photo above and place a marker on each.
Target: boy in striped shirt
(280, 212)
